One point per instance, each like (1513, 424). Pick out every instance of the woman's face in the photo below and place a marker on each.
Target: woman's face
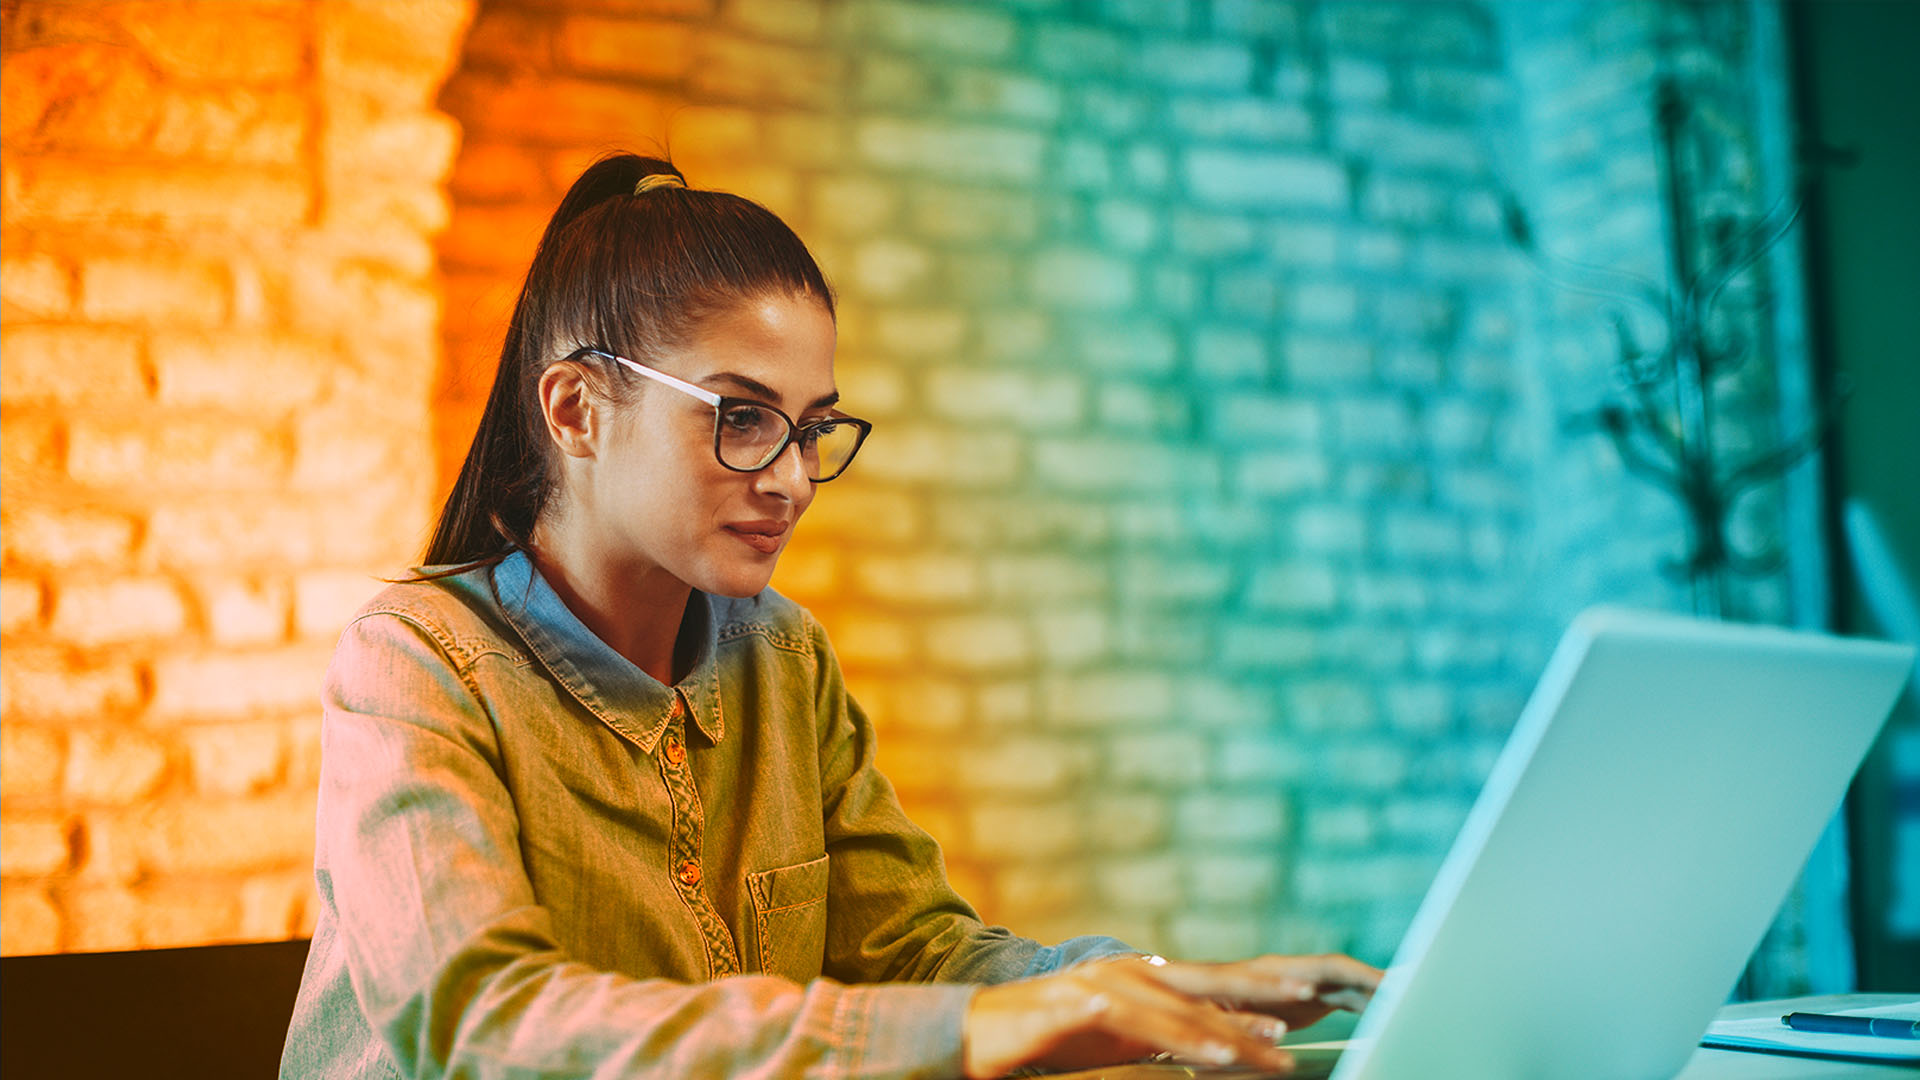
(660, 499)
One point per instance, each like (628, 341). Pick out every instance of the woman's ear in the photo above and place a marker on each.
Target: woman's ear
(568, 406)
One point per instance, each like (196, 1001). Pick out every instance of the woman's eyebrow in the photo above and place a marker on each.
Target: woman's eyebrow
(760, 389)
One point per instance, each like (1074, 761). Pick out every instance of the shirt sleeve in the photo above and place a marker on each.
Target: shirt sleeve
(892, 914)
(455, 965)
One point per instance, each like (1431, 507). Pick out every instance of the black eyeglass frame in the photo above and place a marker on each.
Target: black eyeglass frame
(720, 402)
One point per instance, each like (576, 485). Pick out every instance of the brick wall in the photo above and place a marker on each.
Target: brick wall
(1218, 515)
(220, 333)
(1180, 573)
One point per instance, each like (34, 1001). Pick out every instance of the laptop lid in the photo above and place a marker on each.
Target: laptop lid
(1662, 788)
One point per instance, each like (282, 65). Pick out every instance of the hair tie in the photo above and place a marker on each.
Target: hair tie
(657, 180)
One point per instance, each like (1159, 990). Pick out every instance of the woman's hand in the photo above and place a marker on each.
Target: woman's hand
(1113, 1011)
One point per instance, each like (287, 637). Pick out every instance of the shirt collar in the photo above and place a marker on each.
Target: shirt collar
(625, 698)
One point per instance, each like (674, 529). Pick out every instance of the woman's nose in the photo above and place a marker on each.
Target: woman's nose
(786, 475)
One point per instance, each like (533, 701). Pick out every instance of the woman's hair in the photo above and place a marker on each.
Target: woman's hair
(622, 267)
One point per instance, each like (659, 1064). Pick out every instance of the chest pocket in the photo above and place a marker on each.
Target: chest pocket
(790, 918)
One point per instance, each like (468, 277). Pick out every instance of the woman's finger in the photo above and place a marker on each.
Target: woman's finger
(1275, 983)
(1142, 1007)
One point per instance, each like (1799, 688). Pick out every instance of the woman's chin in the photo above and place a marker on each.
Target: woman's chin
(739, 582)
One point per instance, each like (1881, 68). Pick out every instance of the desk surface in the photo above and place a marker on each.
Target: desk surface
(1704, 1065)
(1741, 1065)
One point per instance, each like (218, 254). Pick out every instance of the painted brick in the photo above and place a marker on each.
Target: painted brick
(1231, 819)
(324, 600)
(1029, 766)
(191, 686)
(1266, 419)
(978, 642)
(1128, 822)
(35, 760)
(113, 766)
(274, 907)
(1021, 398)
(1257, 180)
(1043, 890)
(1295, 588)
(1139, 409)
(1065, 50)
(1331, 826)
(1329, 705)
(885, 269)
(1311, 360)
(1375, 424)
(1083, 279)
(257, 128)
(624, 48)
(1249, 120)
(1111, 698)
(959, 151)
(29, 923)
(235, 759)
(957, 457)
(1123, 347)
(1126, 225)
(1070, 639)
(1026, 579)
(1159, 759)
(173, 196)
(1260, 757)
(955, 213)
(1281, 474)
(1140, 882)
(254, 832)
(1196, 65)
(155, 452)
(113, 612)
(20, 605)
(269, 374)
(1259, 646)
(1230, 355)
(51, 687)
(932, 29)
(1113, 465)
(34, 285)
(845, 511)
(1234, 879)
(71, 365)
(1025, 831)
(35, 844)
(1257, 19)
(245, 612)
(1326, 529)
(919, 579)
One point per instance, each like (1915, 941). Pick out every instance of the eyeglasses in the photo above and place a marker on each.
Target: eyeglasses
(748, 435)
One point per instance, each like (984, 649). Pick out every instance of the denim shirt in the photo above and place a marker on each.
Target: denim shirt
(533, 859)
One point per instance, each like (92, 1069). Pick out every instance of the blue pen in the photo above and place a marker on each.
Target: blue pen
(1888, 1027)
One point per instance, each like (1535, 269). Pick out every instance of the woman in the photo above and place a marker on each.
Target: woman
(594, 800)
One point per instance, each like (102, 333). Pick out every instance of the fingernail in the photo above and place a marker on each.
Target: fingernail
(1305, 991)
(1219, 1053)
(1273, 1029)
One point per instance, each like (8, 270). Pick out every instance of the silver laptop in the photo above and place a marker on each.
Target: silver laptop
(1662, 788)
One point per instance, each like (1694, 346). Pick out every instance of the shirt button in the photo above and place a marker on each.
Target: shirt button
(689, 873)
(676, 751)
(679, 708)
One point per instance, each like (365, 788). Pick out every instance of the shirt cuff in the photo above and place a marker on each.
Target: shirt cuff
(906, 1030)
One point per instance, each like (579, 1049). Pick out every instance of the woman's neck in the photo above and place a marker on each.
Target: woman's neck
(635, 609)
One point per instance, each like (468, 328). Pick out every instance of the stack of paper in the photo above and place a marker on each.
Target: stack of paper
(1768, 1034)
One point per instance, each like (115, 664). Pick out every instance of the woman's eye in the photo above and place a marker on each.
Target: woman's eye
(744, 418)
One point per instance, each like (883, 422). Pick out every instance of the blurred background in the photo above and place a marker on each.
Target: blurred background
(1259, 386)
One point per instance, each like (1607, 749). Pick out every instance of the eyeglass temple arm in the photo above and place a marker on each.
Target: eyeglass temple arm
(681, 385)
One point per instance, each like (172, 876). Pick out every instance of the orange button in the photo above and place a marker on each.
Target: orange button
(689, 873)
(676, 751)
(678, 707)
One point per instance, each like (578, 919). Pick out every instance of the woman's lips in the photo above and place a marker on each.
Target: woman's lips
(763, 536)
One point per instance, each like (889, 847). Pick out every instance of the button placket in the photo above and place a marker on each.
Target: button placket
(689, 825)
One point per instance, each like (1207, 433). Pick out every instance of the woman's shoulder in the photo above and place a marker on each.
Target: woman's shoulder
(449, 608)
